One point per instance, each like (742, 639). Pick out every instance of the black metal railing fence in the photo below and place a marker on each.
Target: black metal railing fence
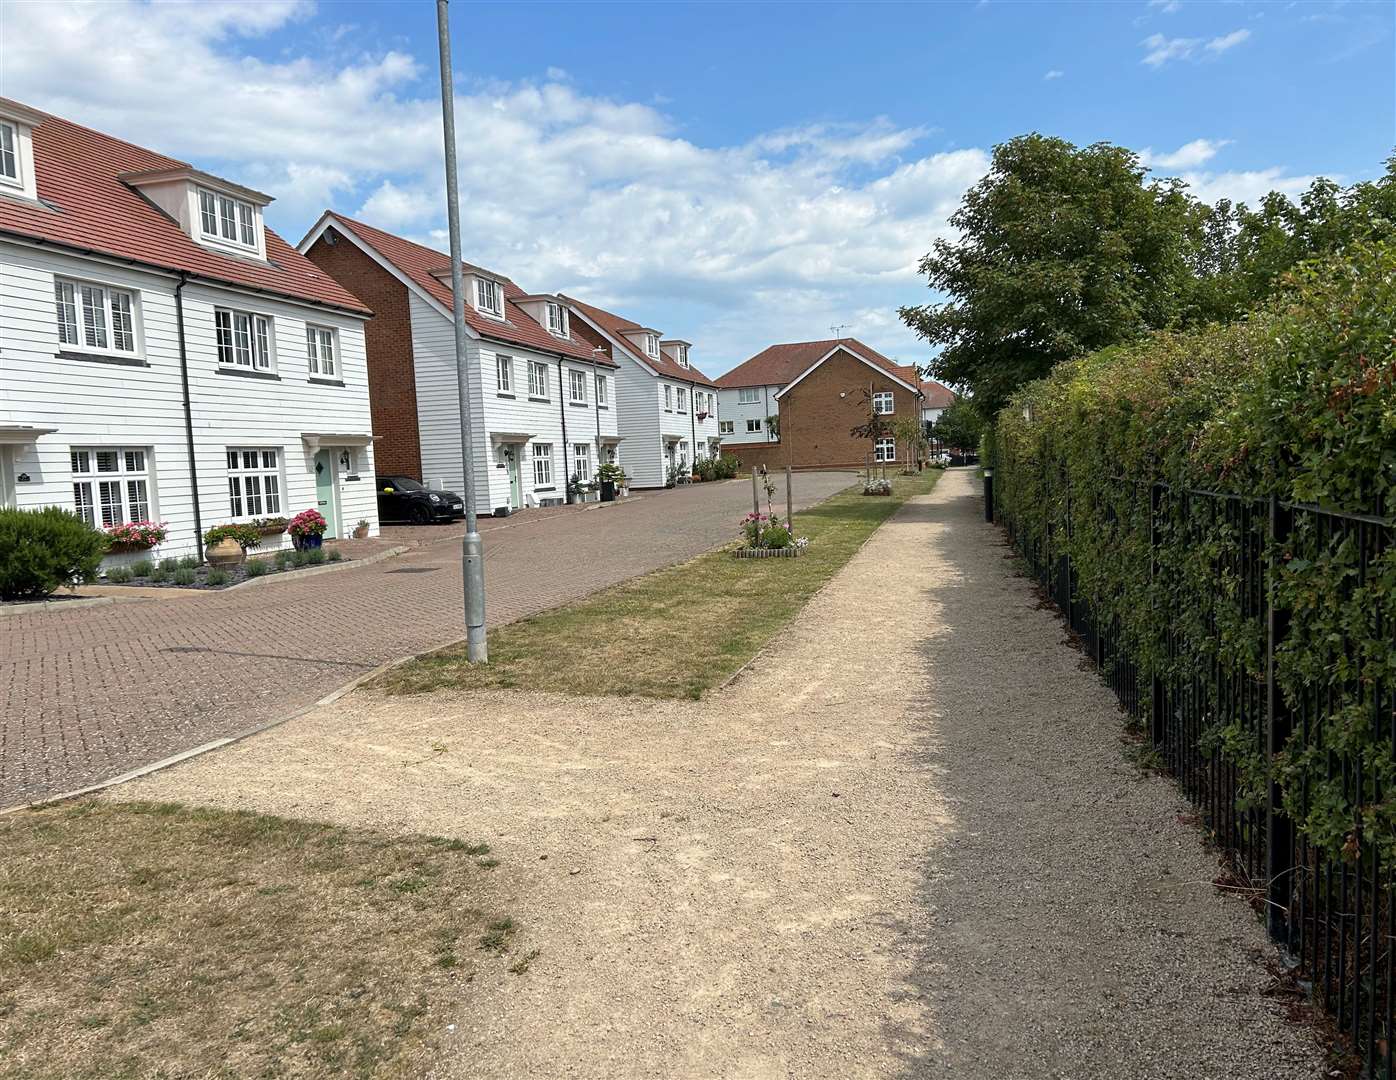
(1206, 683)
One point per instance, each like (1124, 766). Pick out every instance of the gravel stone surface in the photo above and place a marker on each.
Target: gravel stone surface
(904, 843)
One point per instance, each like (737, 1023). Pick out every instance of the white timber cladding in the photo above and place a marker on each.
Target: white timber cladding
(505, 422)
(111, 399)
(740, 413)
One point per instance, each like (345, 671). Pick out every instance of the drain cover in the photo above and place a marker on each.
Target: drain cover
(416, 570)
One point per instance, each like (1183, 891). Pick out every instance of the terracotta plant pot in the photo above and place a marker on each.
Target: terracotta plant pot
(361, 532)
(227, 552)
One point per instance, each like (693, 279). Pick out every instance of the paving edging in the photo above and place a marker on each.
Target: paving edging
(40, 606)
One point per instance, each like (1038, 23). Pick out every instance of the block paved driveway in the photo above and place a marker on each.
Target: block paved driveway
(95, 692)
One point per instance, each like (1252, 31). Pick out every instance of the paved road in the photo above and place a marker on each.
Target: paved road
(90, 694)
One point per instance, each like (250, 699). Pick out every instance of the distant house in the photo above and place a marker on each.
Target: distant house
(935, 399)
(167, 357)
(798, 403)
(668, 408)
(543, 398)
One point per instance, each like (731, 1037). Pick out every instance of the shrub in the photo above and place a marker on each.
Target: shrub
(159, 575)
(286, 558)
(119, 575)
(300, 558)
(777, 536)
(142, 568)
(216, 577)
(335, 555)
(315, 557)
(42, 550)
(169, 565)
(727, 467)
(188, 563)
(257, 568)
(185, 576)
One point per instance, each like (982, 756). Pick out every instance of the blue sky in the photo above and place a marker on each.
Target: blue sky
(734, 174)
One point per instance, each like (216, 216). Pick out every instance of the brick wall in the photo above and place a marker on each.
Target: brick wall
(392, 385)
(818, 415)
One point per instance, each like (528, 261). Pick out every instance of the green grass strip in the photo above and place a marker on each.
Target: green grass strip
(673, 633)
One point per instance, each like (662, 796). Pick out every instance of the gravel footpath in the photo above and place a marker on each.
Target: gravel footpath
(905, 843)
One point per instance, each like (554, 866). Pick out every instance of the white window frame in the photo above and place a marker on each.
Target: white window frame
(487, 290)
(880, 399)
(668, 398)
(681, 355)
(539, 382)
(581, 456)
(261, 339)
(542, 466)
(9, 154)
(322, 351)
(753, 425)
(652, 346)
(749, 395)
(119, 496)
(96, 325)
(556, 316)
(885, 449)
(504, 374)
(256, 487)
(681, 400)
(726, 427)
(234, 220)
(576, 386)
(603, 392)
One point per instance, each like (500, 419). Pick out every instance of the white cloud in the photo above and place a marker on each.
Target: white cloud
(1163, 50)
(1053, 74)
(1227, 41)
(1168, 7)
(1187, 156)
(1247, 186)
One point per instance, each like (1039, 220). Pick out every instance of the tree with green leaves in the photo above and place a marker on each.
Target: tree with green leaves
(959, 426)
(1062, 250)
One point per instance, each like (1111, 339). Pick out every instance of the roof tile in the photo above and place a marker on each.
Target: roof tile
(777, 365)
(616, 327)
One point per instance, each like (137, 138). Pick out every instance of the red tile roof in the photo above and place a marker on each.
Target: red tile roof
(938, 395)
(616, 327)
(89, 209)
(422, 265)
(777, 365)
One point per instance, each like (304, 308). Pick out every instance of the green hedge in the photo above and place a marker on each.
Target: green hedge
(42, 550)
(1299, 402)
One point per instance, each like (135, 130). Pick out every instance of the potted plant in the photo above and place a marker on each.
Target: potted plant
(574, 488)
(611, 476)
(361, 529)
(270, 526)
(307, 530)
(226, 545)
(134, 536)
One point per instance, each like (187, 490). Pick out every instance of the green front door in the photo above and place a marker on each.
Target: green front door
(325, 499)
(515, 495)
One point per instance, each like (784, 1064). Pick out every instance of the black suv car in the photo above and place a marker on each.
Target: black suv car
(400, 498)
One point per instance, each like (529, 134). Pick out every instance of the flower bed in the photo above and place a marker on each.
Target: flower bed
(186, 573)
(877, 487)
(765, 536)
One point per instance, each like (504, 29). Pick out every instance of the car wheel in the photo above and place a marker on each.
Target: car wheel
(421, 515)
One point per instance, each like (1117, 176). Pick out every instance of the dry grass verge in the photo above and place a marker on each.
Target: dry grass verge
(673, 633)
(155, 940)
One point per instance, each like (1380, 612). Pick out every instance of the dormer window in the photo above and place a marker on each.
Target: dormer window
(489, 297)
(681, 355)
(557, 319)
(227, 220)
(9, 153)
(17, 124)
(652, 346)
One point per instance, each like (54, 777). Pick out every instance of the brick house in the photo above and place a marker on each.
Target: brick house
(543, 398)
(816, 392)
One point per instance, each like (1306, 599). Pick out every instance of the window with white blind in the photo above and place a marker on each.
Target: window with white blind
(9, 152)
(749, 395)
(537, 380)
(581, 455)
(882, 403)
(682, 396)
(489, 297)
(226, 219)
(577, 386)
(111, 485)
(244, 339)
(504, 374)
(320, 350)
(542, 465)
(95, 317)
(652, 346)
(557, 319)
(668, 398)
(254, 481)
(603, 399)
(885, 450)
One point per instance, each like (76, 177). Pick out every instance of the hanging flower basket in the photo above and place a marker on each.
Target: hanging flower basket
(134, 536)
(273, 526)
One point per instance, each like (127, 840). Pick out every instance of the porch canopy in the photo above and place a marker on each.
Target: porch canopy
(314, 440)
(511, 436)
(19, 434)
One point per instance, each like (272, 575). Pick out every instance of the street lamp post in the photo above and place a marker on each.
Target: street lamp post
(472, 553)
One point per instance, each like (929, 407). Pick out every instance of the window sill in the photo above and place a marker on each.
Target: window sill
(579, 404)
(603, 406)
(317, 381)
(247, 373)
(544, 400)
(102, 358)
(551, 487)
(504, 394)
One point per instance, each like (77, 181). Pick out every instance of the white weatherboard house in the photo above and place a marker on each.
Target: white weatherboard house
(163, 355)
(543, 400)
(668, 408)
